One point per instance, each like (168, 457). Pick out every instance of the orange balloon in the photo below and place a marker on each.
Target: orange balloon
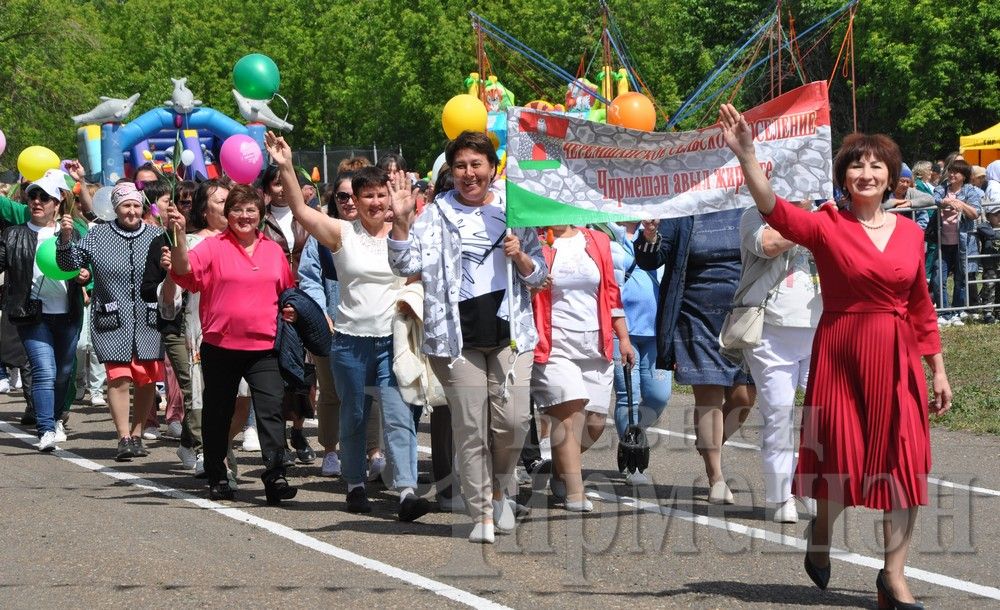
(632, 110)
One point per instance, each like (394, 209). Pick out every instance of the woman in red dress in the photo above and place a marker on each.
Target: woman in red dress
(865, 438)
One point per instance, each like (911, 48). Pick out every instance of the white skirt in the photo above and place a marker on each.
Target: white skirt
(576, 370)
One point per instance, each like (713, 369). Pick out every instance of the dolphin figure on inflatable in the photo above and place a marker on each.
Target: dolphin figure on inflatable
(110, 110)
(182, 100)
(257, 111)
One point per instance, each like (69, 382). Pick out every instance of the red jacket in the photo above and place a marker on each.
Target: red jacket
(609, 297)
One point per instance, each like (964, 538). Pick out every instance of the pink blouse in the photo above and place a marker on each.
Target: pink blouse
(239, 292)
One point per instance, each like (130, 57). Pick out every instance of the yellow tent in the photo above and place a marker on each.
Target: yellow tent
(981, 148)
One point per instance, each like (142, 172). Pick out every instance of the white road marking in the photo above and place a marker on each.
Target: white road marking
(411, 578)
(798, 543)
(985, 491)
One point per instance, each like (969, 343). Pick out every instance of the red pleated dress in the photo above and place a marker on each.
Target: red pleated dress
(865, 432)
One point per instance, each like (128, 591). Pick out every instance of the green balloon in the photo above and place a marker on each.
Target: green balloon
(45, 258)
(256, 76)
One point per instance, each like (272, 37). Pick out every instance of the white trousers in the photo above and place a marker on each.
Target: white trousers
(779, 365)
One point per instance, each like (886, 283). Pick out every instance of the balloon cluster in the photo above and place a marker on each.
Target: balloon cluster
(256, 77)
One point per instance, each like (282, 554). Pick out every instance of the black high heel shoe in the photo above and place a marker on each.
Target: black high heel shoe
(277, 490)
(820, 576)
(885, 599)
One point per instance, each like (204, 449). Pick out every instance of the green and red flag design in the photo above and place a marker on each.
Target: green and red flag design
(567, 170)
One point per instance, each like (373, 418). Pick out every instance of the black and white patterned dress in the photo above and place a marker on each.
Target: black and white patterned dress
(123, 326)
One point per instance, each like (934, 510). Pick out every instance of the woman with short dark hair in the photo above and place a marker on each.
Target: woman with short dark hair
(865, 437)
(959, 205)
(480, 339)
(240, 275)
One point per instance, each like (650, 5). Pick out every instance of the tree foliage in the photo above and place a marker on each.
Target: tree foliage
(355, 72)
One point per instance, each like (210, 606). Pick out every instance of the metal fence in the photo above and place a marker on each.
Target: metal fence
(974, 287)
(328, 157)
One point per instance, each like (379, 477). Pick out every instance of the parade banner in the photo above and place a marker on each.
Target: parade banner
(565, 170)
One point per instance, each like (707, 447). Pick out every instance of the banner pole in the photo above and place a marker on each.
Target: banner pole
(510, 297)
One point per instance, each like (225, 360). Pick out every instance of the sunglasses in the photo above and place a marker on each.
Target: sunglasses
(41, 196)
(342, 196)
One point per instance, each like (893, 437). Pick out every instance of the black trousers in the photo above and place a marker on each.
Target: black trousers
(222, 369)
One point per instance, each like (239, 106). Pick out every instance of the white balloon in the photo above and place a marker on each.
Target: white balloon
(187, 157)
(440, 161)
(102, 204)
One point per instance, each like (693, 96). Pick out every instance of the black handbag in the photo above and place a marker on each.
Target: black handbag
(31, 311)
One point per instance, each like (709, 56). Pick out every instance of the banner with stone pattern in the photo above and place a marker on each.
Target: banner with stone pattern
(565, 170)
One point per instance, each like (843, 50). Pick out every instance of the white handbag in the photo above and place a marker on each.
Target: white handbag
(744, 325)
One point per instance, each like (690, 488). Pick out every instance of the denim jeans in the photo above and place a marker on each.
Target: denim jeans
(362, 372)
(950, 263)
(651, 386)
(51, 349)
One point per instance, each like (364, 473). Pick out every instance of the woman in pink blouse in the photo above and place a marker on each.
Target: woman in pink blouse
(240, 274)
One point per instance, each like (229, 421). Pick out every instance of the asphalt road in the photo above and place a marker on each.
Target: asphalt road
(80, 530)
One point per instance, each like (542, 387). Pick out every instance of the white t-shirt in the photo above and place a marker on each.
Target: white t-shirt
(575, 282)
(283, 216)
(368, 287)
(482, 229)
(796, 302)
(51, 292)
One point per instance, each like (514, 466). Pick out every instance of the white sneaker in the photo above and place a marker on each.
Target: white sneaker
(331, 464)
(47, 442)
(636, 478)
(199, 466)
(375, 466)
(4, 386)
(482, 533)
(151, 434)
(188, 457)
(60, 432)
(943, 321)
(97, 400)
(585, 506)
(521, 474)
(250, 440)
(503, 516)
(957, 322)
(786, 513)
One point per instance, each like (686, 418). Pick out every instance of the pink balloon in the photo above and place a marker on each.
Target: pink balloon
(3, 142)
(241, 158)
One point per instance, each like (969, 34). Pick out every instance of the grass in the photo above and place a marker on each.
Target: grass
(972, 359)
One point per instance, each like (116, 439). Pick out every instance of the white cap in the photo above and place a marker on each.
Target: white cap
(52, 182)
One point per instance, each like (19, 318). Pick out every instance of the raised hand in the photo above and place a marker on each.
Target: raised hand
(649, 229)
(165, 258)
(279, 150)
(66, 227)
(176, 221)
(401, 195)
(736, 131)
(75, 170)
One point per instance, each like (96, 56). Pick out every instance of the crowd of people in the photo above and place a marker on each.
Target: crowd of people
(378, 300)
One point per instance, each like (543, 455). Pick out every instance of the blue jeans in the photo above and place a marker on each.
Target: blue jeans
(51, 349)
(651, 386)
(951, 262)
(362, 372)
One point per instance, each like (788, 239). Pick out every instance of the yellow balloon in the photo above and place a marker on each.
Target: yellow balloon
(463, 113)
(34, 161)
